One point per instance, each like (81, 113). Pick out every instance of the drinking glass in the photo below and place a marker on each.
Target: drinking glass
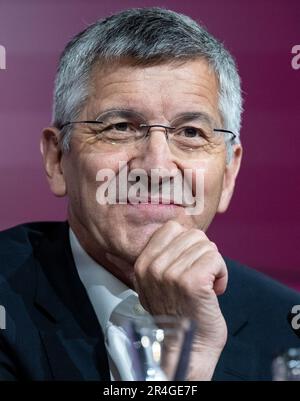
(147, 348)
(286, 367)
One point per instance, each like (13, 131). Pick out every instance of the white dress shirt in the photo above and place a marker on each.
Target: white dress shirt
(108, 294)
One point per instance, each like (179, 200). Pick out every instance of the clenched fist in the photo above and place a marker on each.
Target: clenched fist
(180, 272)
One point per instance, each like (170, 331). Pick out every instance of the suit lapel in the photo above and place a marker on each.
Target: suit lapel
(239, 359)
(72, 338)
(72, 356)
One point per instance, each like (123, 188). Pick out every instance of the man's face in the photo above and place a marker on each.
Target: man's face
(158, 93)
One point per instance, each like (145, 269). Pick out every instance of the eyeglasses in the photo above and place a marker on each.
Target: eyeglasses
(126, 128)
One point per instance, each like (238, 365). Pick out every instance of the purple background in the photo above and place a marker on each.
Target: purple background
(262, 227)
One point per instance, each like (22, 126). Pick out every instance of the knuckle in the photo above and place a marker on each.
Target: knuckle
(197, 233)
(154, 268)
(138, 266)
(174, 225)
(186, 283)
(214, 255)
(170, 277)
(213, 246)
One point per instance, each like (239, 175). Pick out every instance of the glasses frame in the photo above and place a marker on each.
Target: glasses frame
(166, 127)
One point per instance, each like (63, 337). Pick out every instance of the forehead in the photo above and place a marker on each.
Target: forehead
(160, 90)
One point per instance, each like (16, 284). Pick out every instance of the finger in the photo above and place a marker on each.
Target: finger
(179, 246)
(210, 272)
(220, 285)
(168, 281)
(159, 240)
(185, 260)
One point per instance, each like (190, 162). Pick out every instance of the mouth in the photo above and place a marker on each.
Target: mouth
(152, 201)
(146, 212)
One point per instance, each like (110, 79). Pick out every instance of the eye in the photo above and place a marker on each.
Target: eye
(192, 132)
(120, 127)
(123, 126)
(118, 132)
(190, 138)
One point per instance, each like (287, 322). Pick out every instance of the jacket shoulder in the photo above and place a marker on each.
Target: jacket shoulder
(249, 283)
(266, 303)
(19, 242)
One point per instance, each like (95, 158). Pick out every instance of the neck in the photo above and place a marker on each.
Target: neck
(116, 265)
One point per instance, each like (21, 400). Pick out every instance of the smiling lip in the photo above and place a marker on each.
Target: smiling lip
(151, 202)
(146, 213)
(160, 202)
(154, 205)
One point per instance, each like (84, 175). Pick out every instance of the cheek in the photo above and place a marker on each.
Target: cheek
(213, 184)
(81, 171)
(208, 187)
(207, 178)
(90, 164)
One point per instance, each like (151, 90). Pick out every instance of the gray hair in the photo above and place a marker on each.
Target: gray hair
(146, 36)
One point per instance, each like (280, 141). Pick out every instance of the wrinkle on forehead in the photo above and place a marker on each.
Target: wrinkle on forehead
(159, 91)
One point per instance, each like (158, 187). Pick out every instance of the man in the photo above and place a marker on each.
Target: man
(144, 90)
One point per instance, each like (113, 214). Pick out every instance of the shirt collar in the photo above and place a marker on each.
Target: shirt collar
(105, 291)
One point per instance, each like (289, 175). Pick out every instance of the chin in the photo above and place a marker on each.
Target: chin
(136, 241)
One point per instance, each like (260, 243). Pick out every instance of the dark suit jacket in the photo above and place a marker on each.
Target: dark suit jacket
(52, 332)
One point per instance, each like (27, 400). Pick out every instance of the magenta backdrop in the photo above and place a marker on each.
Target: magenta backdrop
(262, 227)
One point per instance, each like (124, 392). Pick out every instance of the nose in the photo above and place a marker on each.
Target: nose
(154, 153)
(149, 127)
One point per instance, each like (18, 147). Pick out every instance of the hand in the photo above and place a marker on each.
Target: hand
(180, 272)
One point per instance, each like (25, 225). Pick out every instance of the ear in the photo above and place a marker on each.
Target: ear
(52, 158)
(230, 174)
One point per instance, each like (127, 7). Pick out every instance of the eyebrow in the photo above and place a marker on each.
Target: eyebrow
(194, 115)
(123, 113)
(179, 118)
